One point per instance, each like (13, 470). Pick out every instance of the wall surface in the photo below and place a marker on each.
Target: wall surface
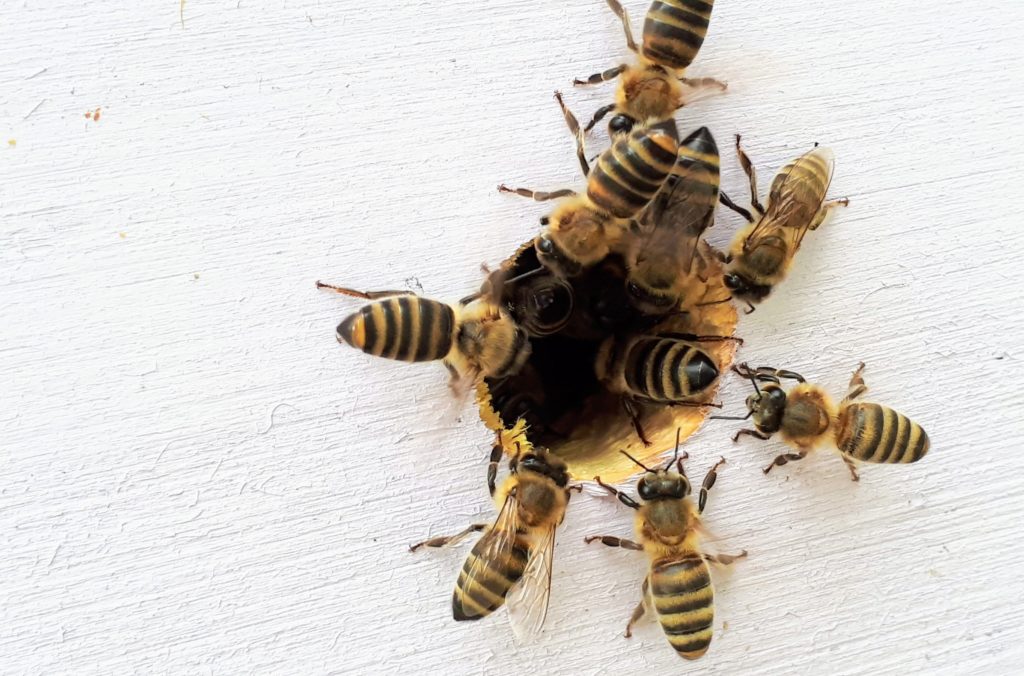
(196, 478)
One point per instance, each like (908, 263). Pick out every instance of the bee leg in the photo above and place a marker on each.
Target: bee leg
(624, 16)
(850, 465)
(366, 295)
(771, 374)
(709, 482)
(856, 386)
(725, 559)
(699, 339)
(598, 78)
(612, 541)
(538, 195)
(752, 433)
(623, 498)
(634, 416)
(702, 82)
(827, 207)
(640, 609)
(700, 88)
(748, 169)
(784, 458)
(446, 541)
(727, 201)
(574, 127)
(492, 467)
(599, 115)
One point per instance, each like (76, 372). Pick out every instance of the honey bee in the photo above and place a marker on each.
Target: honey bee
(656, 369)
(511, 563)
(539, 301)
(678, 584)
(584, 228)
(806, 418)
(761, 252)
(653, 88)
(475, 340)
(669, 263)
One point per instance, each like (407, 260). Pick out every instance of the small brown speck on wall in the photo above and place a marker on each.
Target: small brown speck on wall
(93, 115)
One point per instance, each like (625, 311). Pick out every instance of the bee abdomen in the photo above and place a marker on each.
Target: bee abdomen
(631, 172)
(668, 369)
(875, 433)
(697, 169)
(408, 328)
(674, 31)
(684, 601)
(491, 580)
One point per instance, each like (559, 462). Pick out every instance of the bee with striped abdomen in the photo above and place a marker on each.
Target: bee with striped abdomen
(669, 270)
(511, 563)
(653, 88)
(584, 228)
(807, 418)
(678, 585)
(761, 253)
(474, 340)
(666, 369)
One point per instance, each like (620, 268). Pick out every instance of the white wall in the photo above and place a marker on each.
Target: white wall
(194, 476)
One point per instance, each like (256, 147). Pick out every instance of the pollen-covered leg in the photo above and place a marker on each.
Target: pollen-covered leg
(448, 540)
(538, 195)
(365, 295)
(598, 78)
(574, 127)
(612, 541)
(748, 169)
(640, 609)
(725, 559)
(709, 481)
(857, 386)
(784, 459)
(826, 208)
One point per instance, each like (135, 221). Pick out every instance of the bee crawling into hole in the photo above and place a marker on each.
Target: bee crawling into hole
(806, 418)
(678, 584)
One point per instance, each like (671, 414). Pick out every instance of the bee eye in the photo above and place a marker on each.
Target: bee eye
(732, 281)
(545, 245)
(620, 124)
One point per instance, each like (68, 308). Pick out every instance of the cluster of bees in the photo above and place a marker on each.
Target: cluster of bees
(608, 333)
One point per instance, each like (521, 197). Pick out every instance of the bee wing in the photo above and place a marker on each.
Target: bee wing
(527, 601)
(796, 194)
(674, 223)
(496, 545)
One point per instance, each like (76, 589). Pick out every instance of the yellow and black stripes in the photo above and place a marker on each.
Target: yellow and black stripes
(631, 172)
(878, 434)
(674, 31)
(805, 179)
(492, 578)
(408, 328)
(667, 369)
(697, 169)
(684, 599)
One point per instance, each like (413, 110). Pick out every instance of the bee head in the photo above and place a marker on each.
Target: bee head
(744, 288)
(767, 406)
(546, 305)
(540, 461)
(663, 484)
(554, 258)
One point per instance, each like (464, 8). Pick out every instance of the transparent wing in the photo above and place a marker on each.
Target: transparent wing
(497, 543)
(527, 601)
(674, 223)
(799, 190)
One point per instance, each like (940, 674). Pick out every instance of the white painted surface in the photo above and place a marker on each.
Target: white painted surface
(194, 476)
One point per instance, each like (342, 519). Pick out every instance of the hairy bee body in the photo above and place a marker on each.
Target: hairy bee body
(878, 434)
(475, 338)
(669, 269)
(674, 31)
(655, 369)
(684, 600)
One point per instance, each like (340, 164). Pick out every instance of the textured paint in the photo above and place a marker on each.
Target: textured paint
(196, 478)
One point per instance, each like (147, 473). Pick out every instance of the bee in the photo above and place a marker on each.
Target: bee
(678, 584)
(511, 563)
(669, 270)
(539, 301)
(807, 418)
(584, 228)
(760, 253)
(662, 369)
(474, 340)
(653, 88)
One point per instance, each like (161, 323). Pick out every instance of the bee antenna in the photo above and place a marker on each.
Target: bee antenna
(731, 417)
(675, 453)
(525, 275)
(636, 461)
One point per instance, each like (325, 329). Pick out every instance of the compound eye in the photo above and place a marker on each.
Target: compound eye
(545, 245)
(620, 124)
(732, 281)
